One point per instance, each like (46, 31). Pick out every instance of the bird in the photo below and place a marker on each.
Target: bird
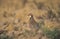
(32, 23)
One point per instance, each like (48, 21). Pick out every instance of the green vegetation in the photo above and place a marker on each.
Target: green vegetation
(4, 35)
(53, 34)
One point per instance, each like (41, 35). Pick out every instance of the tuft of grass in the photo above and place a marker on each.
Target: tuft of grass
(53, 34)
(5, 36)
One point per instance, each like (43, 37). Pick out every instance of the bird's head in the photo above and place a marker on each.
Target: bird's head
(30, 15)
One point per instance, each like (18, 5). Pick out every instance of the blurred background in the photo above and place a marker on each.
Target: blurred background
(29, 19)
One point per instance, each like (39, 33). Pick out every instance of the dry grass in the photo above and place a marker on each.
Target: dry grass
(13, 13)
